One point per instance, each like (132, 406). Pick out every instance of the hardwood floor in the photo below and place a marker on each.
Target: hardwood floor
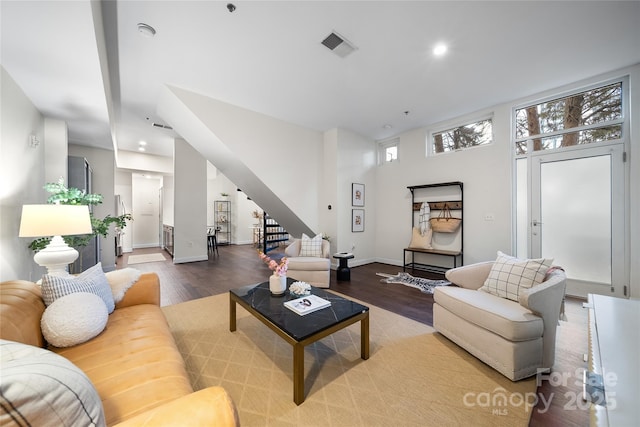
(558, 394)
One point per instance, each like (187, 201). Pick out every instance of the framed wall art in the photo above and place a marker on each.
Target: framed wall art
(357, 220)
(357, 194)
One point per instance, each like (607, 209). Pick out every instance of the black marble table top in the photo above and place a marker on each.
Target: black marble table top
(298, 327)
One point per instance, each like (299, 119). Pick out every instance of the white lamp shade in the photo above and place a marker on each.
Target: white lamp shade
(54, 220)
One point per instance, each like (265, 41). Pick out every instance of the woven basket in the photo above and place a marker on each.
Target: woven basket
(445, 223)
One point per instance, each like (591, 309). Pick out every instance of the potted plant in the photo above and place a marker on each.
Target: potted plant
(60, 194)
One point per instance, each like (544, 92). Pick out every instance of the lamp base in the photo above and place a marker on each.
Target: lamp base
(56, 257)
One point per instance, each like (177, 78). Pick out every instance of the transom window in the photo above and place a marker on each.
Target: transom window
(388, 151)
(587, 117)
(462, 137)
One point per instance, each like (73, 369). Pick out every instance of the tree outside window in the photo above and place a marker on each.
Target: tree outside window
(587, 117)
(462, 137)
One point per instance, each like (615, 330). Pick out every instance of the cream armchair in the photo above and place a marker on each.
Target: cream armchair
(314, 270)
(515, 338)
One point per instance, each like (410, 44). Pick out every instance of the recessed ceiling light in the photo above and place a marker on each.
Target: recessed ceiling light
(141, 149)
(440, 49)
(143, 143)
(146, 30)
(387, 126)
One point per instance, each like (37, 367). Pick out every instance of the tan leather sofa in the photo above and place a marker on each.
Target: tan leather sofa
(515, 338)
(134, 363)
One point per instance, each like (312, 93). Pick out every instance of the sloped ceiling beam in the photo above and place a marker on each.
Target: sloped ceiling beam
(189, 114)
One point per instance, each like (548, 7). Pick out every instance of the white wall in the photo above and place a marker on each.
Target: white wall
(190, 210)
(486, 175)
(328, 194)
(243, 231)
(21, 177)
(355, 160)
(124, 188)
(55, 150)
(168, 200)
(145, 162)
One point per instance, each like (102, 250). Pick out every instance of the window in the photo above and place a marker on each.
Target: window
(388, 151)
(462, 137)
(587, 117)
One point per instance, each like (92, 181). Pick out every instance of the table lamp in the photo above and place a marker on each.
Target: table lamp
(56, 221)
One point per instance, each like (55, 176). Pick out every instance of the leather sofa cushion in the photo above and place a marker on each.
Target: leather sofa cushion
(498, 315)
(21, 308)
(304, 263)
(134, 363)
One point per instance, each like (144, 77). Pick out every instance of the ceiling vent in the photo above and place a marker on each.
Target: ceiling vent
(338, 44)
(159, 125)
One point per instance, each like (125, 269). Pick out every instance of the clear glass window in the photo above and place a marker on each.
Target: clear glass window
(391, 153)
(388, 151)
(587, 117)
(462, 137)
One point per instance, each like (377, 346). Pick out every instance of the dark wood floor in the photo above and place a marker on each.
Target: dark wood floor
(237, 265)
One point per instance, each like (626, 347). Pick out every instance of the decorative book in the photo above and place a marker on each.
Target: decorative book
(307, 304)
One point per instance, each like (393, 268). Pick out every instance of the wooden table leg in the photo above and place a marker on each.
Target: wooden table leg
(298, 373)
(364, 337)
(232, 314)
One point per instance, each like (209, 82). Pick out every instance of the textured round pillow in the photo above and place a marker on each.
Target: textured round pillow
(41, 388)
(74, 319)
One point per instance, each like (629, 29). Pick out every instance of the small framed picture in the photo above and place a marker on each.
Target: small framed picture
(357, 194)
(357, 220)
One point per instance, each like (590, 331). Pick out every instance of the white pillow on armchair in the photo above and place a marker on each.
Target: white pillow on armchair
(297, 248)
(314, 270)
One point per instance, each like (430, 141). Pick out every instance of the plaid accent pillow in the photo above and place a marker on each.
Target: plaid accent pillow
(311, 247)
(92, 280)
(510, 276)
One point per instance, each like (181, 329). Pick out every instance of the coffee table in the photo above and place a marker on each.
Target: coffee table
(297, 330)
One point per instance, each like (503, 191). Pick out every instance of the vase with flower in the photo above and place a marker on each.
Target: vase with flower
(278, 279)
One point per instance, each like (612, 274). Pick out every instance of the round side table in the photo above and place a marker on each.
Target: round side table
(343, 274)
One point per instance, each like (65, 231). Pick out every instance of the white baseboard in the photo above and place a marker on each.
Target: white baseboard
(243, 242)
(146, 245)
(190, 259)
(389, 261)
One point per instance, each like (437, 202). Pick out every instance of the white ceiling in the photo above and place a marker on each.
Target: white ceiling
(267, 57)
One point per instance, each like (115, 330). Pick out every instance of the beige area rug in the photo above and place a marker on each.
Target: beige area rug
(414, 376)
(140, 259)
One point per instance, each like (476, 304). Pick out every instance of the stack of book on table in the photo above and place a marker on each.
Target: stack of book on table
(307, 304)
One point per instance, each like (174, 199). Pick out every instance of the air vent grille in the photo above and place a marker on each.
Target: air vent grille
(159, 125)
(338, 44)
(332, 41)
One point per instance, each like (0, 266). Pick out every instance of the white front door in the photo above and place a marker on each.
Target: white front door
(577, 217)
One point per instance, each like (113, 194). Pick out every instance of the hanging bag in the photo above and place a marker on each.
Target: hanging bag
(445, 223)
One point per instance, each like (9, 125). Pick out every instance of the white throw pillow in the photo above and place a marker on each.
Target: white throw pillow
(74, 319)
(421, 241)
(509, 276)
(41, 388)
(311, 247)
(92, 280)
